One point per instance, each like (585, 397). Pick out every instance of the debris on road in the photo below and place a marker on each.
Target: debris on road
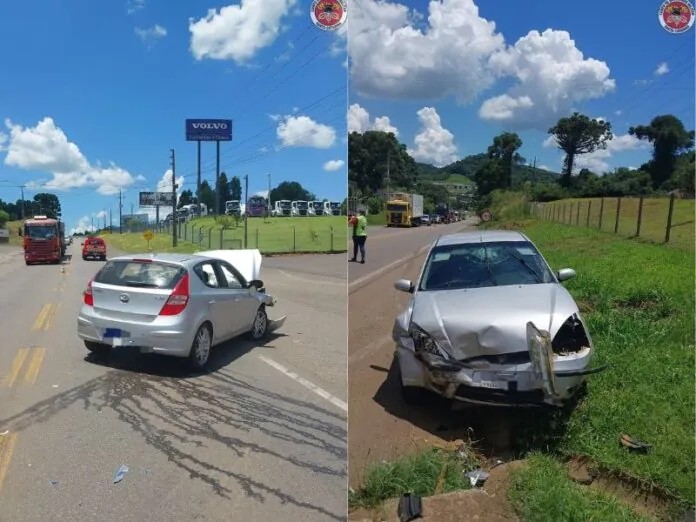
(477, 477)
(410, 507)
(120, 473)
(6, 432)
(53, 482)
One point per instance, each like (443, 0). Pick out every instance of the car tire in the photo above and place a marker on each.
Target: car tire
(259, 329)
(98, 348)
(200, 348)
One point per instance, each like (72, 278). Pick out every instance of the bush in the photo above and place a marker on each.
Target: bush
(4, 218)
(508, 206)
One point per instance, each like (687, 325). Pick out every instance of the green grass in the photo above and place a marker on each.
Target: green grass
(418, 473)
(653, 221)
(640, 311)
(458, 178)
(377, 219)
(13, 227)
(275, 235)
(540, 491)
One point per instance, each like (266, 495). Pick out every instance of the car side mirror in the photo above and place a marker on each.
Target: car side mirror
(404, 285)
(564, 274)
(256, 283)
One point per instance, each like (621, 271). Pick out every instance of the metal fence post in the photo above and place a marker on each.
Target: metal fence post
(668, 229)
(331, 235)
(589, 211)
(294, 240)
(222, 231)
(210, 238)
(257, 238)
(618, 215)
(640, 216)
(601, 213)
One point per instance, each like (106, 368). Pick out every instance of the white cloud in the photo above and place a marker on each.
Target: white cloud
(333, 165)
(101, 214)
(151, 35)
(84, 225)
(598, 161)
(135, 6)
(434, 144)
(552, 75)
(303, 131)
(662, 68)
(458, 53)
(619, 112)
(359, 121)
(238, 32)
(46, 148)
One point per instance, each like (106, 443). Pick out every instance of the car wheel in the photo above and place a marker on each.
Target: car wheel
(200, 349)
(98, 348)
(259, 329)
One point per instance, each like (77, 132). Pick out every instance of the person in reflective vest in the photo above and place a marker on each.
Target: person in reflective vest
(359, 237)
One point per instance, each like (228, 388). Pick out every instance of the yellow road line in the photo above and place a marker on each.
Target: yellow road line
(34, 365)
(17, 364)
(7, 444)
(38, 324)
(51, 315)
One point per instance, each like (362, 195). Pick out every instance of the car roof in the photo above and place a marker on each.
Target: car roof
(481, 236)
(178, 259)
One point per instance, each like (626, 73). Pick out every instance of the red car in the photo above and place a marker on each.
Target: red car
(94, 248)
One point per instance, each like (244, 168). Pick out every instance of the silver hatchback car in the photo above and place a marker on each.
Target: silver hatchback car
(176, 304)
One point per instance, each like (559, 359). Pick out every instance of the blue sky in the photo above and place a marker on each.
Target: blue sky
(622, 62)
(94, 95)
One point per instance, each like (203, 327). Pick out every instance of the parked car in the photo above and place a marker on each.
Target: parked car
(176, 304)
(425, 220)
(490, 323)
(94, 248)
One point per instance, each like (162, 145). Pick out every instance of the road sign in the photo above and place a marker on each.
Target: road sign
(148, 235)
(208, 130)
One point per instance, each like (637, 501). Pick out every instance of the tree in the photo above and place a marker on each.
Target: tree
(48, 204)
(504, 150)
(207, 195)
(4, 218)
(489, 177)
(372, 154)
(235, 188)
(669, 138)
(223, 189)
(186, 198)
(576, 135)
(291, 190)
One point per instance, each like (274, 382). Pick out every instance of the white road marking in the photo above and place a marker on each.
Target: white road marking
(307, 384)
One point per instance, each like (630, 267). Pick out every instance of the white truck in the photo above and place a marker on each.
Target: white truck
(281, 208)
(317, 208)
(233, 207)
(300, 208)
(333, 208)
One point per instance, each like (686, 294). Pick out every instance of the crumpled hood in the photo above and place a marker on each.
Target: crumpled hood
(247, 262)
(490, 321)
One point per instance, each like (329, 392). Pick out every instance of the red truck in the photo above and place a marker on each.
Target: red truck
(44, 240)
(94, 247)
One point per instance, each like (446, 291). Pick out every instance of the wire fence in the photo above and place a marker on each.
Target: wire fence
(660, 220)
(275, 237)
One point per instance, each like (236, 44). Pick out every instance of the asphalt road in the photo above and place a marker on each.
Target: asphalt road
(381, 426)
(263, 436)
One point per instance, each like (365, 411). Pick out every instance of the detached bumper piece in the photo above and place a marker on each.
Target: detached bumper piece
(511, 396)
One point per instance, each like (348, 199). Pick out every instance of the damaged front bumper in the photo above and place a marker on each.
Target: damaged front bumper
(273, 324)
(546, 379)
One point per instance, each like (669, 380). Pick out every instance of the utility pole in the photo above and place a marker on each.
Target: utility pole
(111, 222)
(198, 181)
(104, 218)
(388, 175)
(92, 229)
(132, 211)
(246, 203)
(269, 194)
(534, 171)
(120, 212)
(23, 204)
(175, 221)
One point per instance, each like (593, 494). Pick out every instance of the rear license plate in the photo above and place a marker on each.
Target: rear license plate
(111, 333)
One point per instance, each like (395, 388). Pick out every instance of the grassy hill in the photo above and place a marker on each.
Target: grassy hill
(463, 170)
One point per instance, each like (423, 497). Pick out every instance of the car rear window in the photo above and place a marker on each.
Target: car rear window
(140, 274)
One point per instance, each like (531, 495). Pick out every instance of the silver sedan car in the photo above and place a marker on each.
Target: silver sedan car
(490, 323)
(176, 304)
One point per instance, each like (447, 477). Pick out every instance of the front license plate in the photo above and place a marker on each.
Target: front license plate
(111, 333)
(492, 385)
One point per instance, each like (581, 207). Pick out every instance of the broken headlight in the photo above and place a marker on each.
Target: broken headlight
(571, 337)
(424, 344)
(540, 352)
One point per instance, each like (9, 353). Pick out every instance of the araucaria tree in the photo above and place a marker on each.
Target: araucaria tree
(576, 135)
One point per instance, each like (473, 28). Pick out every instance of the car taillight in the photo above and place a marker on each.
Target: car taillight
(178, 299)
(87, 296)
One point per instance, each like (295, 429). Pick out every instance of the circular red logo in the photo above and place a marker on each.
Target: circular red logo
(676, 16)
(328, 15)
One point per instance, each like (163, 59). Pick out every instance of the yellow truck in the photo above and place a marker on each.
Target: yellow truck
(404, 210)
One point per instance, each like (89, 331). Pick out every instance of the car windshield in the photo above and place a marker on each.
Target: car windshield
(480, 265)
(140, 274)
(40, 232)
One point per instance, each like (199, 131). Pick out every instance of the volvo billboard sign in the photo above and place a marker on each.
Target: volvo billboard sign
(208, 130)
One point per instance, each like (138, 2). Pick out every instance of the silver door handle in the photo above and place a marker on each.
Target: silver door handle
(211, 302)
